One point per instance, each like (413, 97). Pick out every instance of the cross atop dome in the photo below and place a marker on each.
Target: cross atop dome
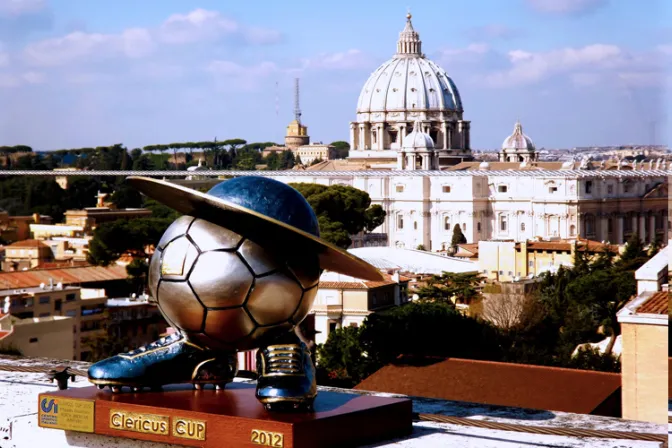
(409, 43)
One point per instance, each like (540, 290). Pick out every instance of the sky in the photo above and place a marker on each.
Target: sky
(82, 73)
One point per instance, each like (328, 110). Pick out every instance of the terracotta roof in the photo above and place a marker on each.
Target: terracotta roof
(29, 243)
(581, 246)
(503, 384)
(389, 280)
(74, 275)
(658, 303)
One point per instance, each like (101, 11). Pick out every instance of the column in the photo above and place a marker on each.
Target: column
(444, 130)
(666, 226)
(619, 229)
(402, 134)
(353, 142)
(450, 136)
(635, 227)
(380, 141)
(642, 228)
(652, 228)
(604, 221)
(362, 138)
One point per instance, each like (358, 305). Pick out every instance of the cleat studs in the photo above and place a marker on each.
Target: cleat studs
(219, 387)
(198, 387)
(101, 386)
(115, 389)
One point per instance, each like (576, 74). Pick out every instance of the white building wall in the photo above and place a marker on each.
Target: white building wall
(493, 206)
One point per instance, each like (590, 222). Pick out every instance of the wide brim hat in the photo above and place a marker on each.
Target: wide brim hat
(263, 230)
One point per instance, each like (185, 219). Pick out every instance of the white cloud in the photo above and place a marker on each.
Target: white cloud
(197, 26)
(527, 67)
(14, 8)
(566, 7)
(666, 49)
(132, 43)
(10, 80)
(200, 24)
(492, 31)
(352, 59)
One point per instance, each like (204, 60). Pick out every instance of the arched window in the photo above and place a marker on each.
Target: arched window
(400, 221)
(446, 223)
(572, 230)
(522, 226)
(415, 225)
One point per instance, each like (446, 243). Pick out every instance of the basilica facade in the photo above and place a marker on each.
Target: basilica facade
(410, 152)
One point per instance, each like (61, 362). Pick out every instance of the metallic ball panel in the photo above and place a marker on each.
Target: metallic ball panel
(261, 261)
(306, 305)
(274, 299)
(209, 236)
(177, 259)
(180, 305)
(263, 335)
(154, 274)
(205, 341)
(306, 269)
(228, 325)
(177, 228)
(221, 279)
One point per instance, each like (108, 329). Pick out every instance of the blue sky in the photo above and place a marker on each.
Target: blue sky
(76, 73)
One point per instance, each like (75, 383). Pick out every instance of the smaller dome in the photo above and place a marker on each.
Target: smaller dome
(418, 140)
(518, 140)
(484, 166)
(200, 166)
(568, 165)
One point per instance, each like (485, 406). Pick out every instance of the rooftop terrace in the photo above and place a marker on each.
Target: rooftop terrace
(462, 424)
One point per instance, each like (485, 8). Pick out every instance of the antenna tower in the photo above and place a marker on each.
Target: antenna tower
(297, 109)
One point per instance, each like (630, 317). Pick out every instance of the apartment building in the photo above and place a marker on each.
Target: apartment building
(48, 337)
(86, 307)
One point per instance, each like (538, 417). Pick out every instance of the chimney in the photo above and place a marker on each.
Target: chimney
(395, 277)
(51, 283)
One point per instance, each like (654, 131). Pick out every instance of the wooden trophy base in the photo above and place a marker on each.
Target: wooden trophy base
(231, 417)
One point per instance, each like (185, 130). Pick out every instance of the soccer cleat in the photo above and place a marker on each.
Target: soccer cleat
(286, 377)
(170, 360)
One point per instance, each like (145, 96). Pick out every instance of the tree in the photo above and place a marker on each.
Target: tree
(113, 239)
(451, 286)
(421, 247)
(375, 217)
(458, 237)
(341, 360)
(426, 329)
(341, 211)
(341, 149)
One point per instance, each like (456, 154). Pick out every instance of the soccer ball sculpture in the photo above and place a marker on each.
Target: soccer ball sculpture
(238, 271)
(226, 291)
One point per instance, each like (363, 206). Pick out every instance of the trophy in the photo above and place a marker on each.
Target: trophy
(239, 270)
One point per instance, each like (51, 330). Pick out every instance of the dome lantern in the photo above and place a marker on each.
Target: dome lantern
(409, 42)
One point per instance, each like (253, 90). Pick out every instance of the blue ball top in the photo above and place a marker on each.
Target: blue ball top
(271, 198)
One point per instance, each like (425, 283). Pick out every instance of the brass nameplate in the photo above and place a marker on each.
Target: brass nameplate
(66, 413)
(188, 428)
(267, 438)
(136, 422)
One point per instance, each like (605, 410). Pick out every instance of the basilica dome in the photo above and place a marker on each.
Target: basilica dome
(418, 140)
(409, 81)
(409, 88)
(518, 140)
